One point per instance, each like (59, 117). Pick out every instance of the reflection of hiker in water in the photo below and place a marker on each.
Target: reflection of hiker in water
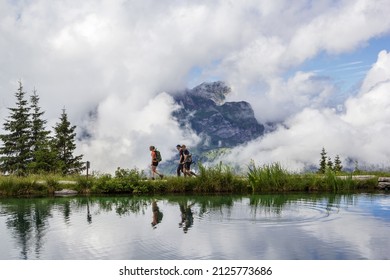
(157, 214)
(186, 216)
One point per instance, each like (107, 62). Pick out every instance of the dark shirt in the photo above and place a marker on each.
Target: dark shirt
(181, 156)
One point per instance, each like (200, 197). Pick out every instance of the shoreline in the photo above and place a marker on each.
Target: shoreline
(209, 183)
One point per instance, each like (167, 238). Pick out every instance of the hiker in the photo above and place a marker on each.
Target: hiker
(180, 165)
(154, 163)
(187, 162)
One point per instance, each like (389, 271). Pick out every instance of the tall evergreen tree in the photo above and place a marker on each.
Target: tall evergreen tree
(323, 162)
(43, 158)
(15, 150)
(329, 164)
(64, 146)
(337, 164)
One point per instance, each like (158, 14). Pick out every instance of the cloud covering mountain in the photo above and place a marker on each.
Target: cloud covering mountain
(118, 59)
(360, 132)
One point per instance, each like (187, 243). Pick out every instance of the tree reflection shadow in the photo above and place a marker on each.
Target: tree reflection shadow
(27, 221)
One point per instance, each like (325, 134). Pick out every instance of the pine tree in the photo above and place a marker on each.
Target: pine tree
(15, 152)
(322, 162)
(329, 164)
(337, 164)
(43, 158)
(64, 146)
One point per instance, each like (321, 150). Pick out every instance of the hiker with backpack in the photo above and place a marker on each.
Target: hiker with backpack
(187, 161)
(180, 165)
(156, 158)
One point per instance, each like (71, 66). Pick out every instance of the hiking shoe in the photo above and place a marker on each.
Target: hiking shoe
(161, 176)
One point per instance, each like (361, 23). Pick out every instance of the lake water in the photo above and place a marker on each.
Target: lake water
(269, 227)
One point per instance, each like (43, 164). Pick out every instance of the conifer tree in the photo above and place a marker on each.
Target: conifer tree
(15, 150)
(64, 146)
(43, 158)
(337, 164)
(323, 162)
(329, 164)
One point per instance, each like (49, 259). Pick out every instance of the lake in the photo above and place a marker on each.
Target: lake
(216, 227)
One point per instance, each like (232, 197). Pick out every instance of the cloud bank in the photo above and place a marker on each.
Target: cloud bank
(115, 61)
(360, 133)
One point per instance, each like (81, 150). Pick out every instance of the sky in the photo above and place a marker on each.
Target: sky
(320, 69)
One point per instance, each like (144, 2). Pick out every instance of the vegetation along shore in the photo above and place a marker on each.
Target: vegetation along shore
(218, 179)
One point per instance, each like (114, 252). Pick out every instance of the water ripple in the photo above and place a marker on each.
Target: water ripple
(297, 214)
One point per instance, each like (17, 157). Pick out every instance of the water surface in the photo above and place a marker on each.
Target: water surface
(274, 227)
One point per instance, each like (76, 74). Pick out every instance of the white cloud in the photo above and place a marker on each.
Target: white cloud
(379, 73)
(340, 28)
(362, 132)
(139, 129)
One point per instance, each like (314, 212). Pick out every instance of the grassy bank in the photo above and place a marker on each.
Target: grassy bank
(215, 179)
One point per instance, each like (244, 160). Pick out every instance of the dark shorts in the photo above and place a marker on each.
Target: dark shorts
(155, 163)
(187, 165)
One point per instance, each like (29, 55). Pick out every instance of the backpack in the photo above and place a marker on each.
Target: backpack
(158, 155)
(189, 156)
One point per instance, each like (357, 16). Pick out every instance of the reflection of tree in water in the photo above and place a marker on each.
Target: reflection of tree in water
(213, 203)
(27, 221)
(274, 203)
(268, 203)
(122, 205)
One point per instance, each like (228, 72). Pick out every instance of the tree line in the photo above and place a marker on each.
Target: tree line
(28, 147)
(327, 163)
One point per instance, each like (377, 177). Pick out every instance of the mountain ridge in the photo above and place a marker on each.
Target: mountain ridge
(219, 123)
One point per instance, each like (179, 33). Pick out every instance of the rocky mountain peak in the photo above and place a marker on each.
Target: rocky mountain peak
(220, 123)
(215, 91)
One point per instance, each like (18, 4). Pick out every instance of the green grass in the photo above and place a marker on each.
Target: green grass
(219, 178)
(43, 184)
(268, 178)
(273, 178)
